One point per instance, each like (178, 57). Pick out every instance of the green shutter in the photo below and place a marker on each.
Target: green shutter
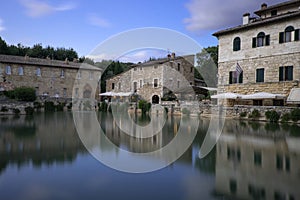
(253, 42)
(280, 73)
(267, 40)
(297, 35)
(281, 37)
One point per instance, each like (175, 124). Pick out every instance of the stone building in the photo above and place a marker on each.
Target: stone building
(50, 78)
(262, 54)
(153, 79)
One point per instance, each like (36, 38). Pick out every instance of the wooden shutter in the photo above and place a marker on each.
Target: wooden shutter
(280, 73)
(281, 37)
(253, 42)
(297, 35)
(267, 40)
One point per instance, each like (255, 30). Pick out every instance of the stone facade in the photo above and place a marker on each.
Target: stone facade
(155, 77)
(261, 48)
(50, 77)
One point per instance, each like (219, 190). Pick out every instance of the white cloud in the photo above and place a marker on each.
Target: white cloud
(36, 8)
(102, 56)
(2, 28)
(217, 14)
(95, 20)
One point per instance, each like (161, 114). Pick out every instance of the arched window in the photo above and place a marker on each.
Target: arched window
(21, 71)
(8, 70)
(237, 44)
(261, 40)
(289, 34)
(38, 71)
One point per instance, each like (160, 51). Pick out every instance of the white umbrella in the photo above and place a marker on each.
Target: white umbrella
(227, 95)
(263, 95)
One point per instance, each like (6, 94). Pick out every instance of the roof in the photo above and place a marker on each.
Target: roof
(294, 97)
(283, 4)
(260, 22)
(25, 60)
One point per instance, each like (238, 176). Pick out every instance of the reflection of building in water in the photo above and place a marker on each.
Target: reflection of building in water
(255, 167)
(43, 139)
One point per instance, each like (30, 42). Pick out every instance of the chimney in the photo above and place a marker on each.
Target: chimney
(264, 6)
(173, 55)
(246, 18)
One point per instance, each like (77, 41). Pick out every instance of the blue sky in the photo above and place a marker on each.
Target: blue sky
(82, 25)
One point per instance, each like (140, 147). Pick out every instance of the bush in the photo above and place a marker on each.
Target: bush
(10, 94)
(272, 116)
(144, 106)
(49, 106)
(295, 114)
(4, 109)
(16, 111)
(243, 114)
(29, 110)
(185, 111)
(254, 114)
(37, 105)
(285, 117)
(25, 94)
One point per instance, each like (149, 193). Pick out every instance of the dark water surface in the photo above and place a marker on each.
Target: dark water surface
(42, 157)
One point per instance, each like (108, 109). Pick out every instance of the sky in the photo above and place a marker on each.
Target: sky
(83, 24)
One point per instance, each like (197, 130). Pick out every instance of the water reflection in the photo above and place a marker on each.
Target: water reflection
(42, 139)
(258, 161)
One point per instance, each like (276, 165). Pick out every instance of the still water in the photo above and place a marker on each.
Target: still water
(42, 157)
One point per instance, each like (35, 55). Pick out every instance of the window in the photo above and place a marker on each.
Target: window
(235, 78)
(79, 75)
(38, 71)
(135, 69)
(178, 67)
(113, 86)
(155, 83)
(21, 71)
(286, 73)
(260, 75)
(257, 158)
(236, 44)
(256, 192)
(178, 84)
(65, 92)
(8, 70)
(283, 162)
(192, 69)
(76, 92)
(91, 75)
(273, 12)
(233, 154)
(62, 73)
(261, 40)
(289, 34)
(141, 83)
(257, 102)
(119, 86)
(134, 86)
(232, 186)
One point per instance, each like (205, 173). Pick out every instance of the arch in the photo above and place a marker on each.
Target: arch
(289, 29)
(155, 99)
(260, 39)
(237, 44)
(288, 33)
(87, 91)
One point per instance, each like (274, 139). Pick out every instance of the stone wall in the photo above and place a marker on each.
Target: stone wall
(51, 81)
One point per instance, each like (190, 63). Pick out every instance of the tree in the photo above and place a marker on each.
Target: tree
(3, 47)
(207, 65)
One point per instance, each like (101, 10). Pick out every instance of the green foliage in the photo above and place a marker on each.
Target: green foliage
(60, 107)
(38, 51)
(10, 94)
(185, 111)
(254, 114)
(49, 106)
(207, 63)
(24, 94)
(272, 116)
(243, 114)
(16, 111)
(295, 114)
(286, 117)
(144, 106)
(103, 106)
(170, 96)
(29, 110)
(4, 109)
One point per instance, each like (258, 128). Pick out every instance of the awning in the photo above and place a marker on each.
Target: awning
(227, 95)
(263, 95)
(294, 97)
